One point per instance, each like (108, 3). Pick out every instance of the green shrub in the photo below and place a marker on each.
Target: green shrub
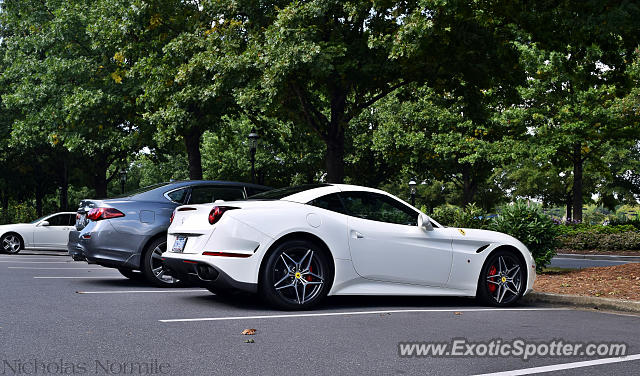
(635, 222)
(22, 213)
(532, 227)
(596, 229)
(629, 240)
(469, 217)
(445, 214)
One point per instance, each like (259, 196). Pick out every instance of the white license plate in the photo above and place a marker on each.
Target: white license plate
(178, 245)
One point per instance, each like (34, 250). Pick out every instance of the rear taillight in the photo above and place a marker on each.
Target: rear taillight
(97, 214)
(216, 213)
(172, 216)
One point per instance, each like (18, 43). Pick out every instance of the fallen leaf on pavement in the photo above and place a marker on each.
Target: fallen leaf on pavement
(249, 332)
(457, 313)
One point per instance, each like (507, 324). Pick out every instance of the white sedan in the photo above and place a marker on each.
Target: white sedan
(294, 246)
(50, 232)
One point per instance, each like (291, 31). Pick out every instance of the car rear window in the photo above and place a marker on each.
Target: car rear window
(277, 194)
(208, 194)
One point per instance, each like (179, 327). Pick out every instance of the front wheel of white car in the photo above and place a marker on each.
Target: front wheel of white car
(11, 243)
(297, 275)
(502, 280)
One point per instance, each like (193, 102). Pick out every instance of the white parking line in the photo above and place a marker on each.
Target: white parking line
(5, 257)
(38, 262)
(36, 268)
(119, 277)
(136, 291)
(560, 367)
(361, 313)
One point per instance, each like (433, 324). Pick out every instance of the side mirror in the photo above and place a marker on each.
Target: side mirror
(425, 222)
(44, 223)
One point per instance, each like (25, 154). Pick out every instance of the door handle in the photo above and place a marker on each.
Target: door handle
(356, 235)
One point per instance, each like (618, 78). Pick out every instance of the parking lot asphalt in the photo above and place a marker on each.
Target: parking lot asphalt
(67, 314)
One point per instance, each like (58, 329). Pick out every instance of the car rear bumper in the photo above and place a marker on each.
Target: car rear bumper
(101, 244)
(204, 275)
(74, 247)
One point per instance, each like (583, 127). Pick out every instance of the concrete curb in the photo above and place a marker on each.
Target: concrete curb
(598, 257)
(583, 301)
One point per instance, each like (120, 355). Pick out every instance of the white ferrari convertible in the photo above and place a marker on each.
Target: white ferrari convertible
(294, 246)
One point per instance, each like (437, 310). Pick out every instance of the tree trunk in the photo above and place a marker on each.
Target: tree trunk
(100, 177)
(569, 204)
(64, 186)
(192, 143)
(335, 158)
(577, 183)
(468, 185)
(39, 199)
(5, 207)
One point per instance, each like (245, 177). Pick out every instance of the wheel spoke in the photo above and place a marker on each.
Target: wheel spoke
(314, 275)
(292, 284)
(285, 262)
(157, 270)
(304, 292)
(295, 286)
(282, 280)
(306, 268)
(493, 282)
(506, 286)
(513, 271)
(502, 265)
(159, 275)
(501, 292)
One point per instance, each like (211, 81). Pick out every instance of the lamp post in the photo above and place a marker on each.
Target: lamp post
(123, 179)
(412, 188)
(253, 145)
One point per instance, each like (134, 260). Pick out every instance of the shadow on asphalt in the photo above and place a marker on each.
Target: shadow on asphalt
(253, 302)
(40, 253)
(124, 282)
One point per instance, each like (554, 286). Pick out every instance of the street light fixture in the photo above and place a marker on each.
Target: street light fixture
(412, 188)
(253, 146)
(123, 179)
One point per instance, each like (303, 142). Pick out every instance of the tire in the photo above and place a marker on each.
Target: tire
(297, 275)
(11, 243)
(502, 279)
(133, 275)
(152, 268)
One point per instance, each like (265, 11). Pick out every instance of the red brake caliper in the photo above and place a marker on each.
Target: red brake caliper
(492, 271)
(310, 271)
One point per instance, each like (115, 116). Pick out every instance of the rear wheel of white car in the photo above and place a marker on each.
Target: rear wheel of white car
(152, 267)
(502, 280)
(296, 276)
(11, 243)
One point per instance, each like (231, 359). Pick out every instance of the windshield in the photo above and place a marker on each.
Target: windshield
(141, 190)
(39, 219)
(277, 194)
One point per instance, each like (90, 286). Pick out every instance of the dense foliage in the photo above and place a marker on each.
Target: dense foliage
(480, 102)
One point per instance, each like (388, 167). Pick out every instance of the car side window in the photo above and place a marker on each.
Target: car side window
(330, 202)
(71, 221)
(209, 194)
(59, 220)
(179, 195)
(377, 207)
